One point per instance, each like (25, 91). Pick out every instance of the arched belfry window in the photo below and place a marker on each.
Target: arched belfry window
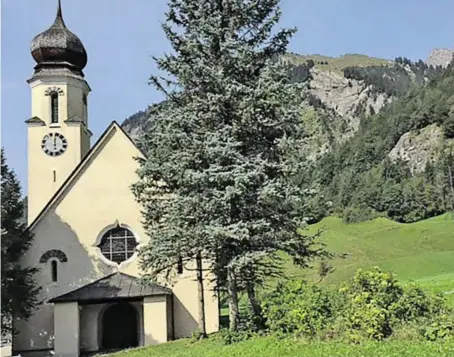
(54, 107)
(54, 270)
(118, 244)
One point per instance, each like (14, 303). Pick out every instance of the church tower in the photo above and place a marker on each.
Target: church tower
(58, 134)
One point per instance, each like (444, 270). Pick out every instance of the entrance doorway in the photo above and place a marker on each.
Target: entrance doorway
(120, 327)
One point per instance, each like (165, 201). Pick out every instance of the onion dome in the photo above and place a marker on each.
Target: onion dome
(58, 45)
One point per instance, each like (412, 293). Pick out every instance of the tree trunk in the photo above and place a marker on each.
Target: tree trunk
(254, 305)
(233, 300)
(202, 322)
(451, 186)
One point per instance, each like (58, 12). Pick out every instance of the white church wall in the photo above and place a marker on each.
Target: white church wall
(67, 331)
(99, 197)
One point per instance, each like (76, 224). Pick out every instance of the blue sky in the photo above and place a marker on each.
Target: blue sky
(121, 36)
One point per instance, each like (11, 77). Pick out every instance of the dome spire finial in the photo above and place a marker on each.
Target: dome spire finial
(58, 46)
(59, 18)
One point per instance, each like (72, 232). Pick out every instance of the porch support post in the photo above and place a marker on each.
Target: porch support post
(155, 327)
(66, 329)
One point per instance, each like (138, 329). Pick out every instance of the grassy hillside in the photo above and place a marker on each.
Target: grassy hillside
(421, 251)
(413, 251)
(337, 64)
(272, 347)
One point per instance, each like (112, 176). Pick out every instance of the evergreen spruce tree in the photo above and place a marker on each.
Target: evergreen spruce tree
(19, 290)
(218, 182)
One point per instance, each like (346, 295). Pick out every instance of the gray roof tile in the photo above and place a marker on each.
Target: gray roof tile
(112, 287)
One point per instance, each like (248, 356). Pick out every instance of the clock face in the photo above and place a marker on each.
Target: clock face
(54, 144)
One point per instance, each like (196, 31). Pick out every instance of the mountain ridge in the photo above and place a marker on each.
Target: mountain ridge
(342, 115)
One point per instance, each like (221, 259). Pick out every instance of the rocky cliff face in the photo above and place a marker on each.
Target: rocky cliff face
(344, 96)
(341, 95)
(345, 101)
(417, 148)
(440, 57)
(420, 147)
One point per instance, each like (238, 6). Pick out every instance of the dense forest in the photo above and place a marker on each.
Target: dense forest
(359, 178)
(396, 79)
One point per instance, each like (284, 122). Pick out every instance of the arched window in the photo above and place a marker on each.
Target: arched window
(84, 99)
(54, 107)
(53, 270)
(118, 244)
(53, 253)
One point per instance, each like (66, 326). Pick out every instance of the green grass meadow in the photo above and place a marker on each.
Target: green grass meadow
(272, 347)
(422, 252)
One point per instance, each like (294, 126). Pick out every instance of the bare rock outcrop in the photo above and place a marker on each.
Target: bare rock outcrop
(344, 95)
(419, 147)
(440, 57)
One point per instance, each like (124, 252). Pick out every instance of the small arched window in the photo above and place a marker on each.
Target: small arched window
(84, 99)
(54, 107)
(53, 270)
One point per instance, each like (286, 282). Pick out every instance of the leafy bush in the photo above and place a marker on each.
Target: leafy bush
(228, 337)
(372, 305)
(370, 294)
(448, 127)
(441, 328)
(415, 303)
(360, 213)
(298, 307)
(376, 303)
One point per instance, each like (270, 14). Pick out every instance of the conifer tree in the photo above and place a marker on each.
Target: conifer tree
(19, 289)
(218, 180)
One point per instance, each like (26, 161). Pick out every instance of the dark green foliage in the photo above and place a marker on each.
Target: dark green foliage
(362, 182)
(298, 307)
(414, 303)
(372, 305)
(370, 297)
(220, 174)
(441, 328)
(299, 73)
(19, 290)
(360, 213)
(135, 119)
(393, 80)
(448, 126)
(376, 303)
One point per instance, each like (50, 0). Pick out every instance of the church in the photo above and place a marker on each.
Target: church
(87, 225)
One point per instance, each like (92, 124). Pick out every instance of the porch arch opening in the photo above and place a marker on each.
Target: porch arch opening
(119, 327)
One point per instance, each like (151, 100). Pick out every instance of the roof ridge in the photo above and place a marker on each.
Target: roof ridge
(104, 293)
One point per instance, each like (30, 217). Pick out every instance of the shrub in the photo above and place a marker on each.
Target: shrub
(370, 294)
(372, 305)
(415, 303)
(448, 127)
(376, 303)
(441, 328)
(298, 307)
(228, 337)
(375, 287)
(356, 214)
